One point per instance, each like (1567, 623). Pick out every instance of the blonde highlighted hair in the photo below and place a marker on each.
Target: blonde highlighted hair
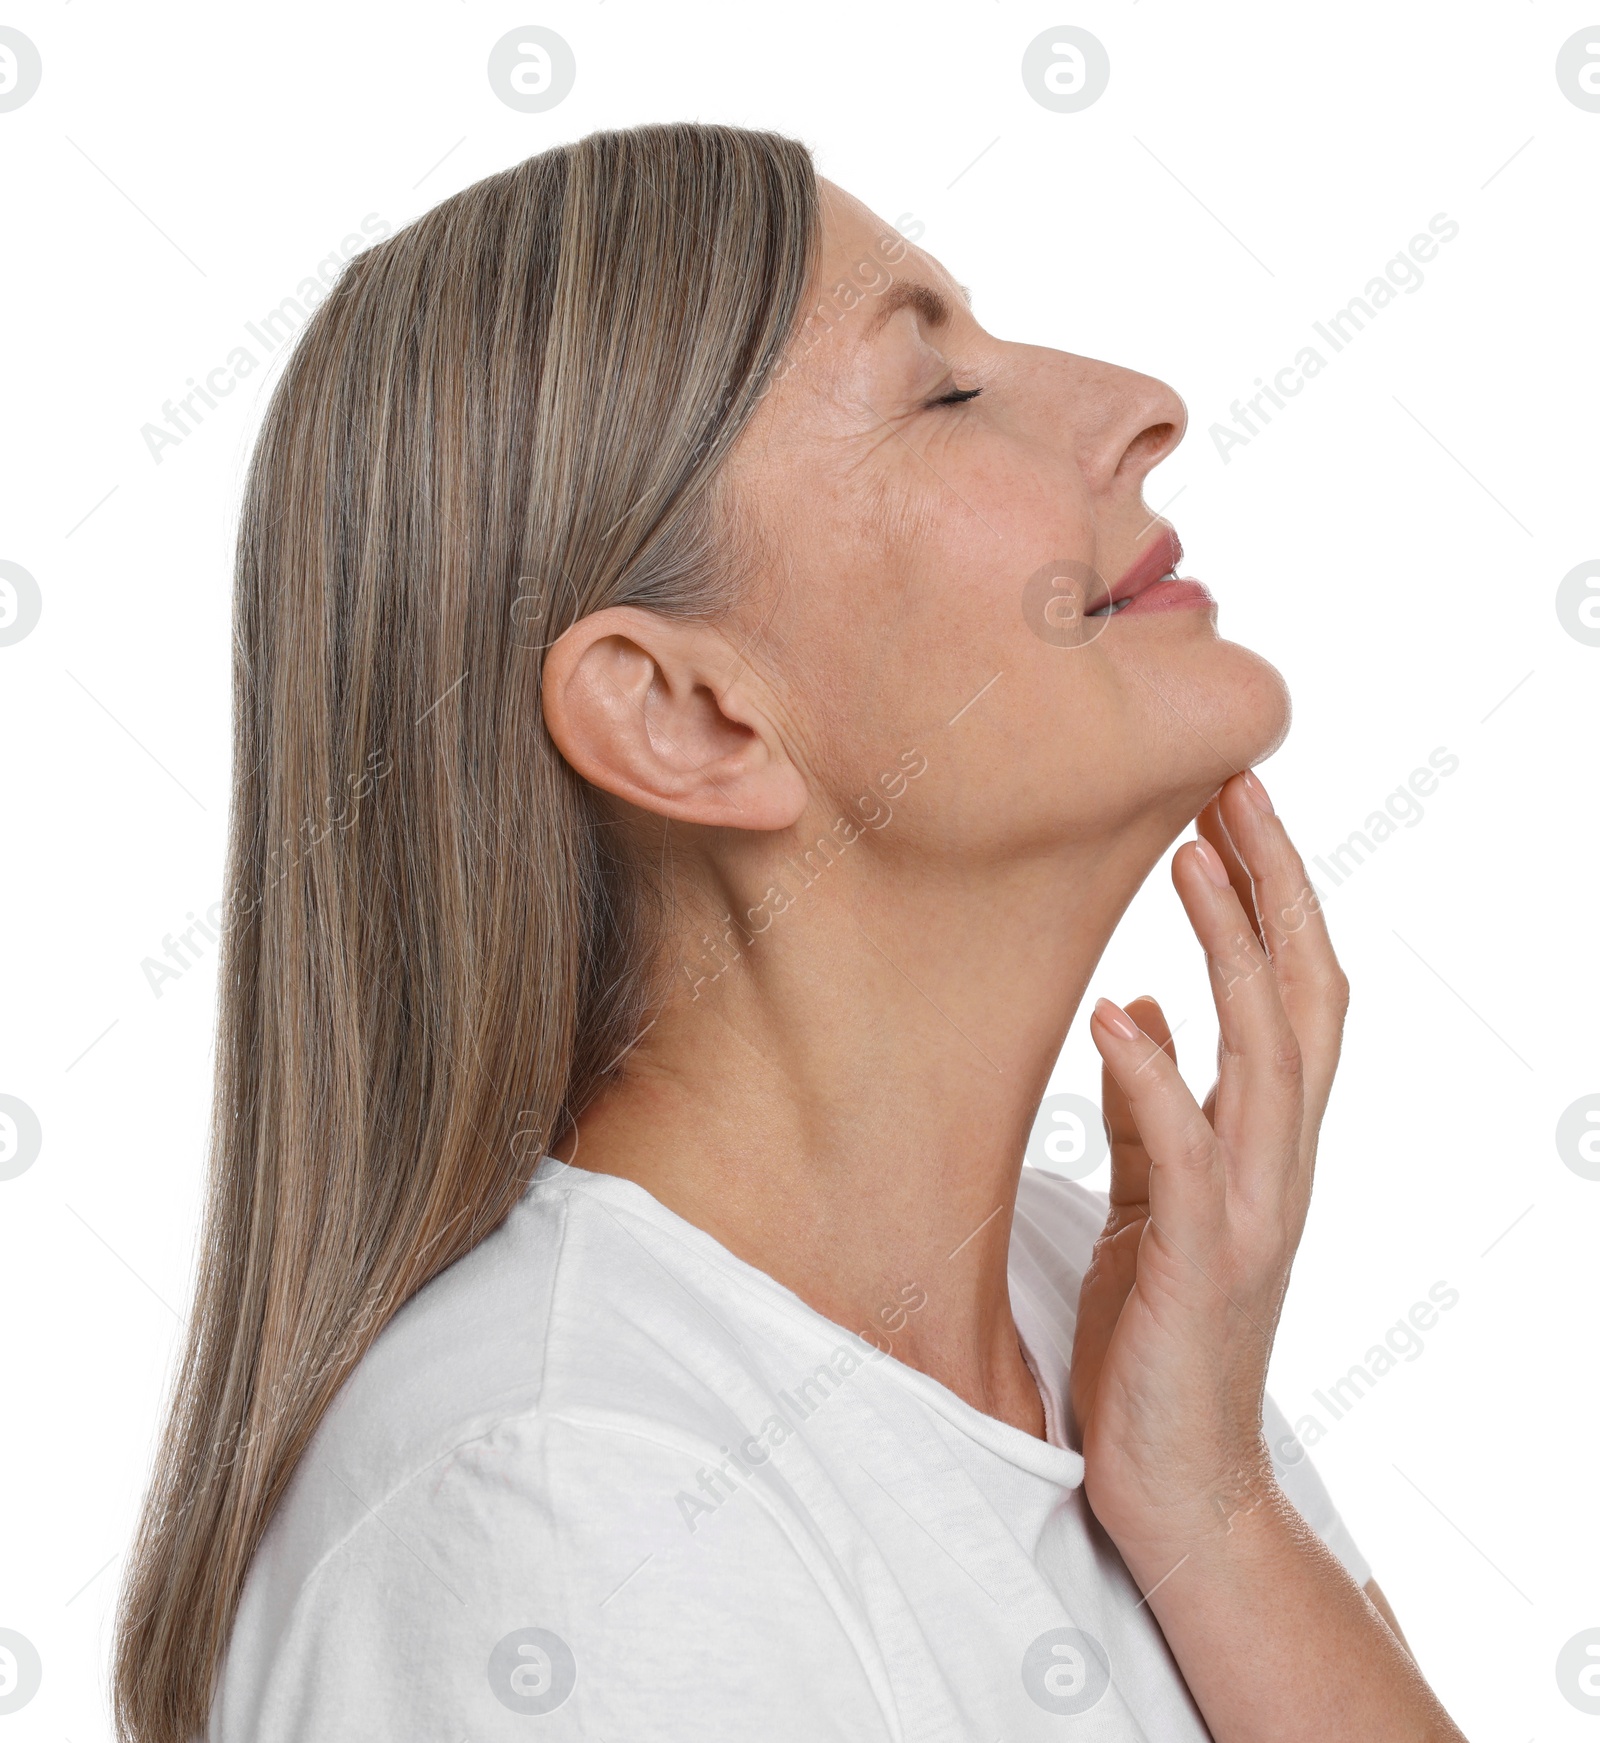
(508, 415)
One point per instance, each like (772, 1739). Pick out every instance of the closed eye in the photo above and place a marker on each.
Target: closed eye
(959, 396)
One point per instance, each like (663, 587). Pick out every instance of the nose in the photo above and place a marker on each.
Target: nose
(1151, 425)
(1127, 423)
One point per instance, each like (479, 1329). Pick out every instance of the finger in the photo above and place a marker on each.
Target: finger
(1259, 1098)
(1210, 825)
(1184, 1170)
(1130, 1161)
(1311, 983)
(1107, 1283)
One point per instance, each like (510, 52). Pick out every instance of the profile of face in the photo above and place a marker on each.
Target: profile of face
(958, 570)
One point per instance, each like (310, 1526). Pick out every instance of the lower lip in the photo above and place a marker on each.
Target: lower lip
(1179, 595)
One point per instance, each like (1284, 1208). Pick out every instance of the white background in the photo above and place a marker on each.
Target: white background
(1393, 542)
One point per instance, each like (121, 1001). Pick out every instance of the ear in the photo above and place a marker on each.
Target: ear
(663, 713)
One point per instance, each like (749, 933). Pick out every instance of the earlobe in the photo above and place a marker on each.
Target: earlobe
(661, 713)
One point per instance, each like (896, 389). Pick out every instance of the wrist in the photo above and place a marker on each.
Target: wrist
(1157, 1526)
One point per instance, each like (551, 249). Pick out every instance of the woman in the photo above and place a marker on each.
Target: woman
(703, 704)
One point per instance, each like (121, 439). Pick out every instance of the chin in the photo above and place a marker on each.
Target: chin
(1259, 711)
(1238, 706)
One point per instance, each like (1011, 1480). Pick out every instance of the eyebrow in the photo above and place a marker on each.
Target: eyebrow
(913, 293)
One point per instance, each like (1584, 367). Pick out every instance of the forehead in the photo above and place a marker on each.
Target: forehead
(848, 224)
(858, 248)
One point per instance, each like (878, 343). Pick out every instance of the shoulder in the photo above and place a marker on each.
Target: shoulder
(576, 1309)
(551, 1564)
(561, 1567)
(565, 1310)
(520, 1458)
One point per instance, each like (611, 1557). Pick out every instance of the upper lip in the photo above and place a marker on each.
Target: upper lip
(1160, 557)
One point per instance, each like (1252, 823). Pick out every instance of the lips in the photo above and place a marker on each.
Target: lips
(1152, 583)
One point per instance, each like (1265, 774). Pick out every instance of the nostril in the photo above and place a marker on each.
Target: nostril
(1148, 447)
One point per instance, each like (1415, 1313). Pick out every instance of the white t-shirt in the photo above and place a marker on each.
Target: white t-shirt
(603, 1480)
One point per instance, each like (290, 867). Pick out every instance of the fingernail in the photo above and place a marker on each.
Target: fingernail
(1253, 786)
(1116, 1019)
(1212, 861)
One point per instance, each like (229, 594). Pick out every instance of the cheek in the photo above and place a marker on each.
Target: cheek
(901, 611)
(1072, 730)
(833, 634)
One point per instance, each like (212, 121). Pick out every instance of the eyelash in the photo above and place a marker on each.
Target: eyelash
(959, 397)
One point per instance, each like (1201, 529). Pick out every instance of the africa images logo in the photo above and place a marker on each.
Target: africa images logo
(532, 1671)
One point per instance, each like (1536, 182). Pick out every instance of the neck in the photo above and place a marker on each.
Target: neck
(841, 1090)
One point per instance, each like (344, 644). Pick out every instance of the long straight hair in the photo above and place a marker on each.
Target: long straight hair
(506, 416)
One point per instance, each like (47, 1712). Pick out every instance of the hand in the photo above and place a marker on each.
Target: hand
(1181, 1300)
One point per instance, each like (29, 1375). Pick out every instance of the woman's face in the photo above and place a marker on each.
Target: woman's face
(946, 510)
